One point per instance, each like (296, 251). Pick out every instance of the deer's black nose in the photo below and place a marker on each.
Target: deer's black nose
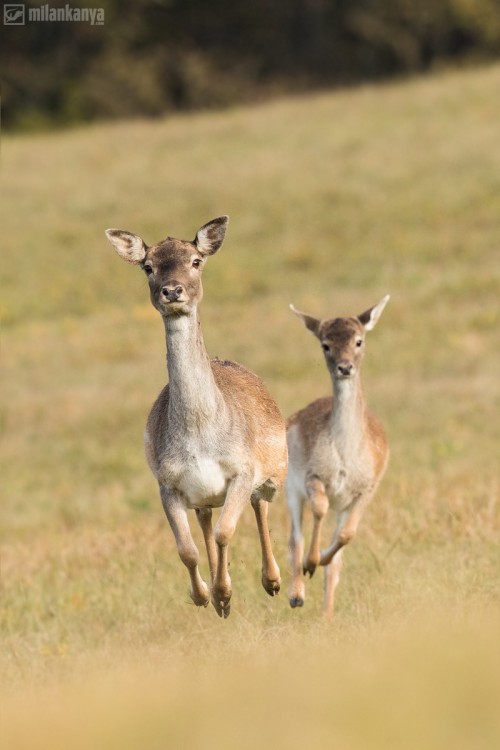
(172, 292)
(344, 369)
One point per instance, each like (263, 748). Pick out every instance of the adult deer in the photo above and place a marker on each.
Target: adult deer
(337, 453)
(214, 437)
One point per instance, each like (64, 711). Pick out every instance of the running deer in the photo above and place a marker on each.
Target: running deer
(338, 453)
(214, 438)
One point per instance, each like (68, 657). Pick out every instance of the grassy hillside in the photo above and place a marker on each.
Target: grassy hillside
(334, 200)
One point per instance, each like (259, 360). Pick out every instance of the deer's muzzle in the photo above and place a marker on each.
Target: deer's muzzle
(344, 369)
(172, 292)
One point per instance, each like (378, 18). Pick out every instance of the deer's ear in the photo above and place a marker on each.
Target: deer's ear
(370, 317)
(210, 236)
(128, 245)
(312, 324)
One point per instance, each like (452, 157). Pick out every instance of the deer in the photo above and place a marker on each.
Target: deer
(214, 438)
(338, 453)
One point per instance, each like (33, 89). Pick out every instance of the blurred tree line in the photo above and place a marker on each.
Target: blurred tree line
(155, 56)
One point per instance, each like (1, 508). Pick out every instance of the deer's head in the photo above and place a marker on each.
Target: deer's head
(342, 339)
(173, 267)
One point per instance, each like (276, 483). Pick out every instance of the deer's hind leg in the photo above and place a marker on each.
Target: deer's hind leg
(297, 592)
(332, 576)
(176, 513)
(204, 517)
(271, 579)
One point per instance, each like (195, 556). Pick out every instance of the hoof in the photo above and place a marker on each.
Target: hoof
(272, 587)
(309, 568)
(201, 598)
(296, 601)
(221, 600)
(223, 608)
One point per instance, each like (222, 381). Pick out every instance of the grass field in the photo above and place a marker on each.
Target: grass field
(335, 200)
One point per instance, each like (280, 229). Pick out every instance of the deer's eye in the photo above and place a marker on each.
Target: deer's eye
(148, 269)
(325, 347)
(196, 263)
(359, 342)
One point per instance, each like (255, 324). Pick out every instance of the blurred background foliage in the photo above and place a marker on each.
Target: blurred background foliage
(155, 56)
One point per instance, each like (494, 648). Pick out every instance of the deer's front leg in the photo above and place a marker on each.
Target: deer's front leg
(347, 525)
(176, 513)
(319, 505)
(270, 572)
(238, 495)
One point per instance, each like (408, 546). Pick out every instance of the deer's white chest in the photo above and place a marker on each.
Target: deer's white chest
(349, 476)
(195, 473)
(203, 482)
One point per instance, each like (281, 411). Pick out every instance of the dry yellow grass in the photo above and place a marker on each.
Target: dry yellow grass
(368, 689)
(335, 199)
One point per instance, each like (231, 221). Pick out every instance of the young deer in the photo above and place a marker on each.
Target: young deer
(337, 453)
(214, 438)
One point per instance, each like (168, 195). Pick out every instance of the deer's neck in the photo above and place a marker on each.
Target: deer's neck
(194, 398)
(348, 414)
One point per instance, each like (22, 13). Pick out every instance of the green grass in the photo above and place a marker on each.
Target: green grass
(335, 200)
